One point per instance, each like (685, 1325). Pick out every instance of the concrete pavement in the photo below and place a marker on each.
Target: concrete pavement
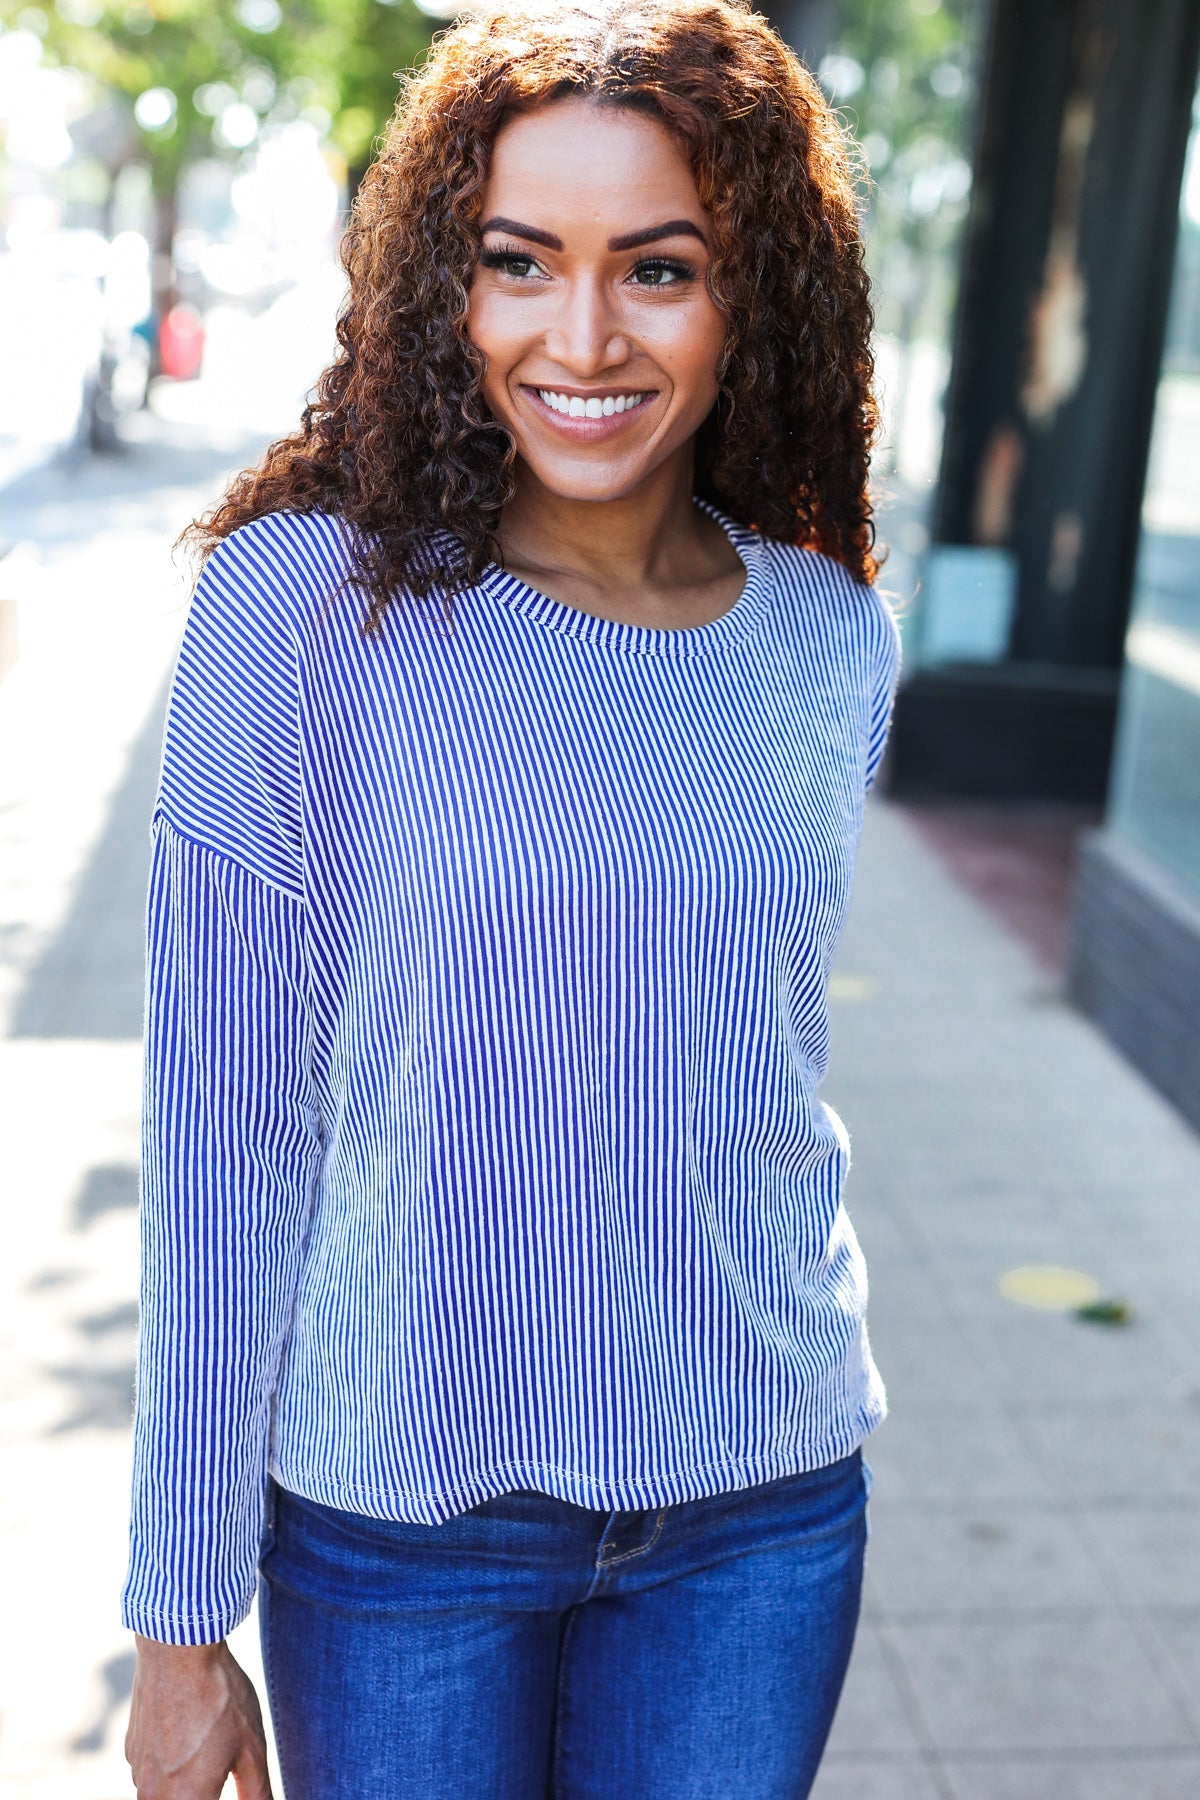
(1032, 1618)
(100, 609)
(1032, 1621)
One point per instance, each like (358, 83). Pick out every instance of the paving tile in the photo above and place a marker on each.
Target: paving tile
(1165, 1777)
(1079, 1682)
(986, 1213)
(871, 1718)
(955, 1453)
(1163, 1283)
(1040, 1356)
(1153, 1552)
(1137, 1215)
(1100, 1451)
(889, 1780)
(872, 1605)
(893, 1246)
(971, 1558)
(925, 1360)
(905, 1290)
(1178, 1631)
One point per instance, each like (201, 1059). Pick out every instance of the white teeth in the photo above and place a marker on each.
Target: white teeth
(575, 407)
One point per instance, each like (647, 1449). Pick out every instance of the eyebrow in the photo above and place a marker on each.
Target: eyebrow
(523, 231)
(631, 240)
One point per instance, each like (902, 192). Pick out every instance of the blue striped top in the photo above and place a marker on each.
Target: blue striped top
(485, 1019)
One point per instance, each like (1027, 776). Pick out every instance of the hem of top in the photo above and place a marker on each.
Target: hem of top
(635, 1493)
(184, 1628)
(161, 817)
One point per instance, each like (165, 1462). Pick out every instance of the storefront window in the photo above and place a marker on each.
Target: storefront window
(1154, 799)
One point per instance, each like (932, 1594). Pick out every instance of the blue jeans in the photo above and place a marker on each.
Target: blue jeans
(532, 1649)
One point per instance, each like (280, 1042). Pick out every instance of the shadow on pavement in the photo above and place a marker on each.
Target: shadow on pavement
(115, 1676)
(69, 498)
(106, 1188)
(88, 982)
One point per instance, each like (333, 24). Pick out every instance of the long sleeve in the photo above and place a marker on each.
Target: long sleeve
(230, 1142)
(889, 658)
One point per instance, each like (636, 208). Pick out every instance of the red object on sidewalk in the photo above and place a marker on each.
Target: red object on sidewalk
(181, 343)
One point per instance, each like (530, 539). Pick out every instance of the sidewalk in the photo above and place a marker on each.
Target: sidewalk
(1032, 1619)
(1032, 1623)
(81, 715)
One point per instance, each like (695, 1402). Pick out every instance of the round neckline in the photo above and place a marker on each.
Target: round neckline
(651, 640)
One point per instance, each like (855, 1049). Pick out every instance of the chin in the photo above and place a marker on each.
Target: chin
(575, 483)
(594, 491)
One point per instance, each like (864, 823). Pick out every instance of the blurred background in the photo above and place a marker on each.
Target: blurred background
(1018, 997)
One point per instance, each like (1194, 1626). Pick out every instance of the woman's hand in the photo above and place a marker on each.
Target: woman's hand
(194, 1720)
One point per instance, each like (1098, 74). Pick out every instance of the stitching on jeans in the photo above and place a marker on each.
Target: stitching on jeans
(267, 1645)
(559, 1688)
(606, 1562)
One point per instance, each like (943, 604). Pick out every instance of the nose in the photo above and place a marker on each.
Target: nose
(585, 334)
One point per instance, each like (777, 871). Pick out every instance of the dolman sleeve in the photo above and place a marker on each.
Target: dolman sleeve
(230, 1133)
(887, 661)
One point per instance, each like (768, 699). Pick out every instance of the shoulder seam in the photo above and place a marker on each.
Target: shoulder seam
(262, 541)
(160, 817)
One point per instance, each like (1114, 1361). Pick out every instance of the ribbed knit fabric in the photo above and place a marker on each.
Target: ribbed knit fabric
(485, 1018)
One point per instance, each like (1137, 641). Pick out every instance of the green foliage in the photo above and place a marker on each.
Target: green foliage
(354, 52)
(905, 74)
(336, 58)
(917, 60)
(1106, 1312)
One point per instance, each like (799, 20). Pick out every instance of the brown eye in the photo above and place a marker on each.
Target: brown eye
(509, 262)
(659, 272)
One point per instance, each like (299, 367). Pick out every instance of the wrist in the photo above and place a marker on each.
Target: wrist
(153, 1650)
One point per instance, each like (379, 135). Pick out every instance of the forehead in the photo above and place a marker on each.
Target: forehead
(573, 164)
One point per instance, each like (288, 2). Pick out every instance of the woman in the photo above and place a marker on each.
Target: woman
(499, 1300)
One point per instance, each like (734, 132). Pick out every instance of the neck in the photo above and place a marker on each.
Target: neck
(621, 543)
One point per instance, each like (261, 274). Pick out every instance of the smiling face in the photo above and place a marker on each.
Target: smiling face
(589, 300)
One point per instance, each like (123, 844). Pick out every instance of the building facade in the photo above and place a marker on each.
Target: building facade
(1135, 945)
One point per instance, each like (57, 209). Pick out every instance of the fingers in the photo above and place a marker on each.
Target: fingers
(194, 1720)
(251, 1775)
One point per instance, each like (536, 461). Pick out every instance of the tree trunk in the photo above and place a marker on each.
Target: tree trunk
(162, 259)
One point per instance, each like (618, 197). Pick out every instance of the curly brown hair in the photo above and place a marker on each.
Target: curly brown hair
(399, 442)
